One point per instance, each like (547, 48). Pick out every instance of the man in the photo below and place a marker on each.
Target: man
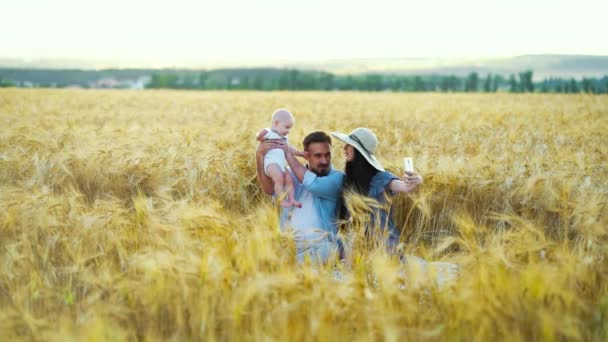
(317, 188)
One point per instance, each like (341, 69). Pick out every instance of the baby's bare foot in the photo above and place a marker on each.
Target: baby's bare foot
(288, 204)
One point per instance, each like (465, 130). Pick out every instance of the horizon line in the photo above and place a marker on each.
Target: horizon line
(104, 63)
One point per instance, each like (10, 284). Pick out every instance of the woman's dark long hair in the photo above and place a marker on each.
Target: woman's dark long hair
(359, 174)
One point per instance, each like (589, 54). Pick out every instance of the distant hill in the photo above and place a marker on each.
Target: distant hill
(544, 66)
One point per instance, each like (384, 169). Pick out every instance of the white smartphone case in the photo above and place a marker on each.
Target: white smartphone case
(408, 164)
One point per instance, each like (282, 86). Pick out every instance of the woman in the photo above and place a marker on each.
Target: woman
(366, 176)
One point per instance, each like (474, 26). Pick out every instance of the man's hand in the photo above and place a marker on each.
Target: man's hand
(267, 145)
(261, 134)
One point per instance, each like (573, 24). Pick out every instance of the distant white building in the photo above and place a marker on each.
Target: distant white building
(140, 83)
(108, 83)
(136, 84)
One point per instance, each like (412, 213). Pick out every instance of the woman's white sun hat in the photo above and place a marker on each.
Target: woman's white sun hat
(365, 141)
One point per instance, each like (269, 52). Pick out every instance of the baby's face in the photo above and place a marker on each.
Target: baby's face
(283, 126)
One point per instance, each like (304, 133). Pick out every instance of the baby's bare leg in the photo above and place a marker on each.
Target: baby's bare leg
(291, 192)
(278, 178)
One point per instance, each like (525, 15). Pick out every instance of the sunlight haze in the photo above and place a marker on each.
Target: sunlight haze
(192, 33)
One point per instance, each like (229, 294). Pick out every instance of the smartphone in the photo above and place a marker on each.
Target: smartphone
(408, 164)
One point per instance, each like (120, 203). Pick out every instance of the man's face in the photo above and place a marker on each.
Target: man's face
(319, 158)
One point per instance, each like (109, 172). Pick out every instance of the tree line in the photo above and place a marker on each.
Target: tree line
(293, 79)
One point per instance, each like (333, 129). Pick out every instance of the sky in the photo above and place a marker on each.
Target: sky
(188, 32)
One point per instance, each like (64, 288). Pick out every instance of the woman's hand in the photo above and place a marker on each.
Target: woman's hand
(410, 182)
(412, 179)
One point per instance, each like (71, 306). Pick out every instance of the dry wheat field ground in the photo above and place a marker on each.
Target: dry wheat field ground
(137, 216)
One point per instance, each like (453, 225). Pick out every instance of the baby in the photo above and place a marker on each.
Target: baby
(274, 160)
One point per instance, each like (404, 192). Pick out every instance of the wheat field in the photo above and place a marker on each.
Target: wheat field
(137, 216)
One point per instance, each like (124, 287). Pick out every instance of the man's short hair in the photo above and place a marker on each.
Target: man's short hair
(316, 137)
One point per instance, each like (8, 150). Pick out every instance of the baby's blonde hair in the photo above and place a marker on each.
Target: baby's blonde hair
(282, 115)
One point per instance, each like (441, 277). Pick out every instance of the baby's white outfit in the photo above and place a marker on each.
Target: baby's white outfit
(276, 155)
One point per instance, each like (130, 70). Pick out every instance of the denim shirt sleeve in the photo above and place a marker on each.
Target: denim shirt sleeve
(328, 187)
(380, 183)
(382, 217)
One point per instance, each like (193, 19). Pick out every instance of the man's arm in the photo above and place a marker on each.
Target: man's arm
(329, 187)
(298, 169)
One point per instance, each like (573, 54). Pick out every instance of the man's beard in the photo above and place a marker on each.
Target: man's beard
(321, 170)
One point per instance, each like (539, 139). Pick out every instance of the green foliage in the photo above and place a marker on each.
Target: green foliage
(487, 84)
(6, 83)
(472, 82)
(293, 79)
(525, 81)
(513, 85)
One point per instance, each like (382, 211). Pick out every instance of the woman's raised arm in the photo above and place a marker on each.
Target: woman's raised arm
(410, 182)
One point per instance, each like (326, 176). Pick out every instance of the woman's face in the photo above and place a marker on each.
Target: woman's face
(349, 153)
